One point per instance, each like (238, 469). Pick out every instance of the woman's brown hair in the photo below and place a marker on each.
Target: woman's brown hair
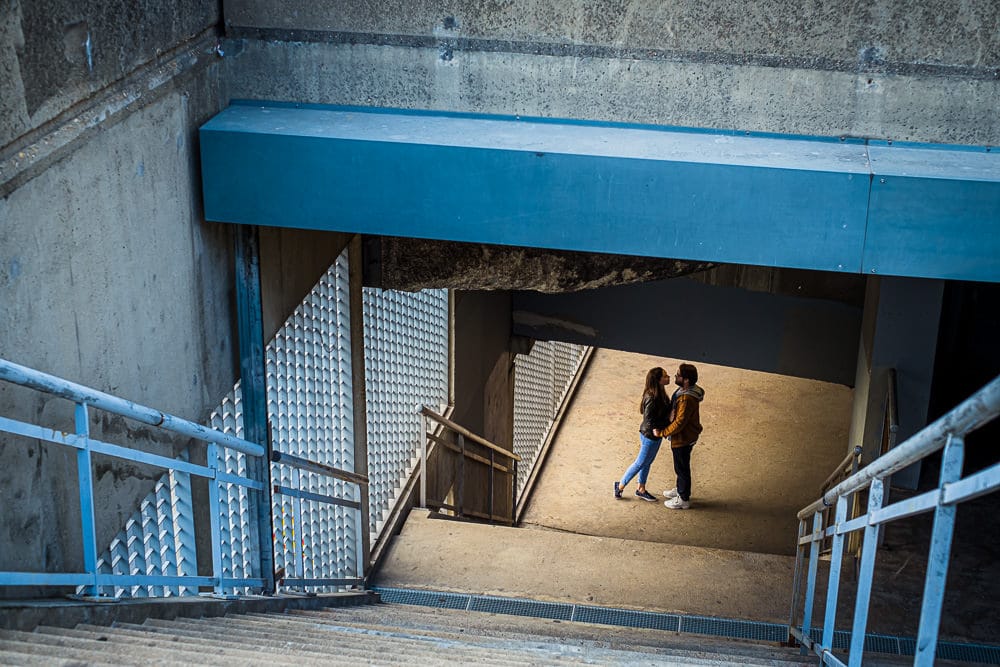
(653, 387)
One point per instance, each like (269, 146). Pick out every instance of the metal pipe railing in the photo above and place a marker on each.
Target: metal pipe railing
(85, 397)
(949, 433)
(892, 408)
(839, 470)
(975, 411)
(296, 492)
(28, 377)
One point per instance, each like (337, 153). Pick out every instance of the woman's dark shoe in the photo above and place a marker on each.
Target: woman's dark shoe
(618, 492)
(646, 495)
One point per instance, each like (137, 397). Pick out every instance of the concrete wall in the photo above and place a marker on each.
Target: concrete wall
(108, 274)
(484, 382)
(56, 54)
(900, 332)
(887, 68)
(292, 261)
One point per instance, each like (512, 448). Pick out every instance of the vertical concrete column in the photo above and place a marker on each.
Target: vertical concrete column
(899, 330)
(484, 384)
(359, 410)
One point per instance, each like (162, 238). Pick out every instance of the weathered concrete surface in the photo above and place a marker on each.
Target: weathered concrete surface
(29, 614)
(599, 570)
(57, 53)
(884, 69)
(292, 262)
(850, 35)
(110, 278)
(413, 264)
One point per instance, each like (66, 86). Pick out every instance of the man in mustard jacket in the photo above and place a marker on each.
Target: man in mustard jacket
(683, 432)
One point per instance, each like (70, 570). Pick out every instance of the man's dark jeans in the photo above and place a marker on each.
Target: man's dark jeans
(682, 466)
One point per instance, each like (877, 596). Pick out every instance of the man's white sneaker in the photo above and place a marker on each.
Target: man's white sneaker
(670, 493)
(676, 503)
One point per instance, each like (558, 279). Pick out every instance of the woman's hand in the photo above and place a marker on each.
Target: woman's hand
(656, 433)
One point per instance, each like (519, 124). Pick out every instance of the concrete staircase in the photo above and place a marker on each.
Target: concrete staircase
(385, 634)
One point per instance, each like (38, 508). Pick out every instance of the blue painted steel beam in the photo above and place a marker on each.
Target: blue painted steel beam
(798, 202)
(253, 387)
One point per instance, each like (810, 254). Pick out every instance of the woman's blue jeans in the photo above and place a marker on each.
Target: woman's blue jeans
(648, 449)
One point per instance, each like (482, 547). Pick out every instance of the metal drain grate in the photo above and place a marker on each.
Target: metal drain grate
(969, 652)
(702, 625)
(628, 618)
(735, 629)
(424, 598)
(516, 607)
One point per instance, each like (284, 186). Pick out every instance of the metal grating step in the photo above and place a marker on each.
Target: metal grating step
(702, 625)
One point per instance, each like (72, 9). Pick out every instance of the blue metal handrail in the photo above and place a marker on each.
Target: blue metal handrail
(949, 433)
(84, 397)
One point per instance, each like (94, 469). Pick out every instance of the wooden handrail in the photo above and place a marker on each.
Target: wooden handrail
(427, 412)
(839, 470)
(469, 455)
(321, 468)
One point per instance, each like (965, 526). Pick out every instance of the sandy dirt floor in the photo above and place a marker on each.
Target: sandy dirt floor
(768, 444)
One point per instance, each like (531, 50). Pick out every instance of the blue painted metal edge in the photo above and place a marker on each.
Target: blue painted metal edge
(265, 168)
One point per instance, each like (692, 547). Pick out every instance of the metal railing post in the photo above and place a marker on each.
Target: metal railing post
(493, 473)
(86, 482)
(866, 573)
(796, 577)
(811, 580)
(940, 551)
(513, 492)
(423, 463)
(298, 531)
(833, 582)
(213, 513)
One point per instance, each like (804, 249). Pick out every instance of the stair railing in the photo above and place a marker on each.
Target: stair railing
(462, 437)
(844, 469)
(91, 580)
(948, 433)
(852, 463)
(297, 576)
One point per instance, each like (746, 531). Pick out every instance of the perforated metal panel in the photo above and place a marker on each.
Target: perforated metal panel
(158, 539)
(406, 366)
(236, 534)
(310, 409)
(541, 380)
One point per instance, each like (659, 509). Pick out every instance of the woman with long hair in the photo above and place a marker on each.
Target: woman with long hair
(655, 409)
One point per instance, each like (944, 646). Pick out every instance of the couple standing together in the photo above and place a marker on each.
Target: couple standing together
(678, 420)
